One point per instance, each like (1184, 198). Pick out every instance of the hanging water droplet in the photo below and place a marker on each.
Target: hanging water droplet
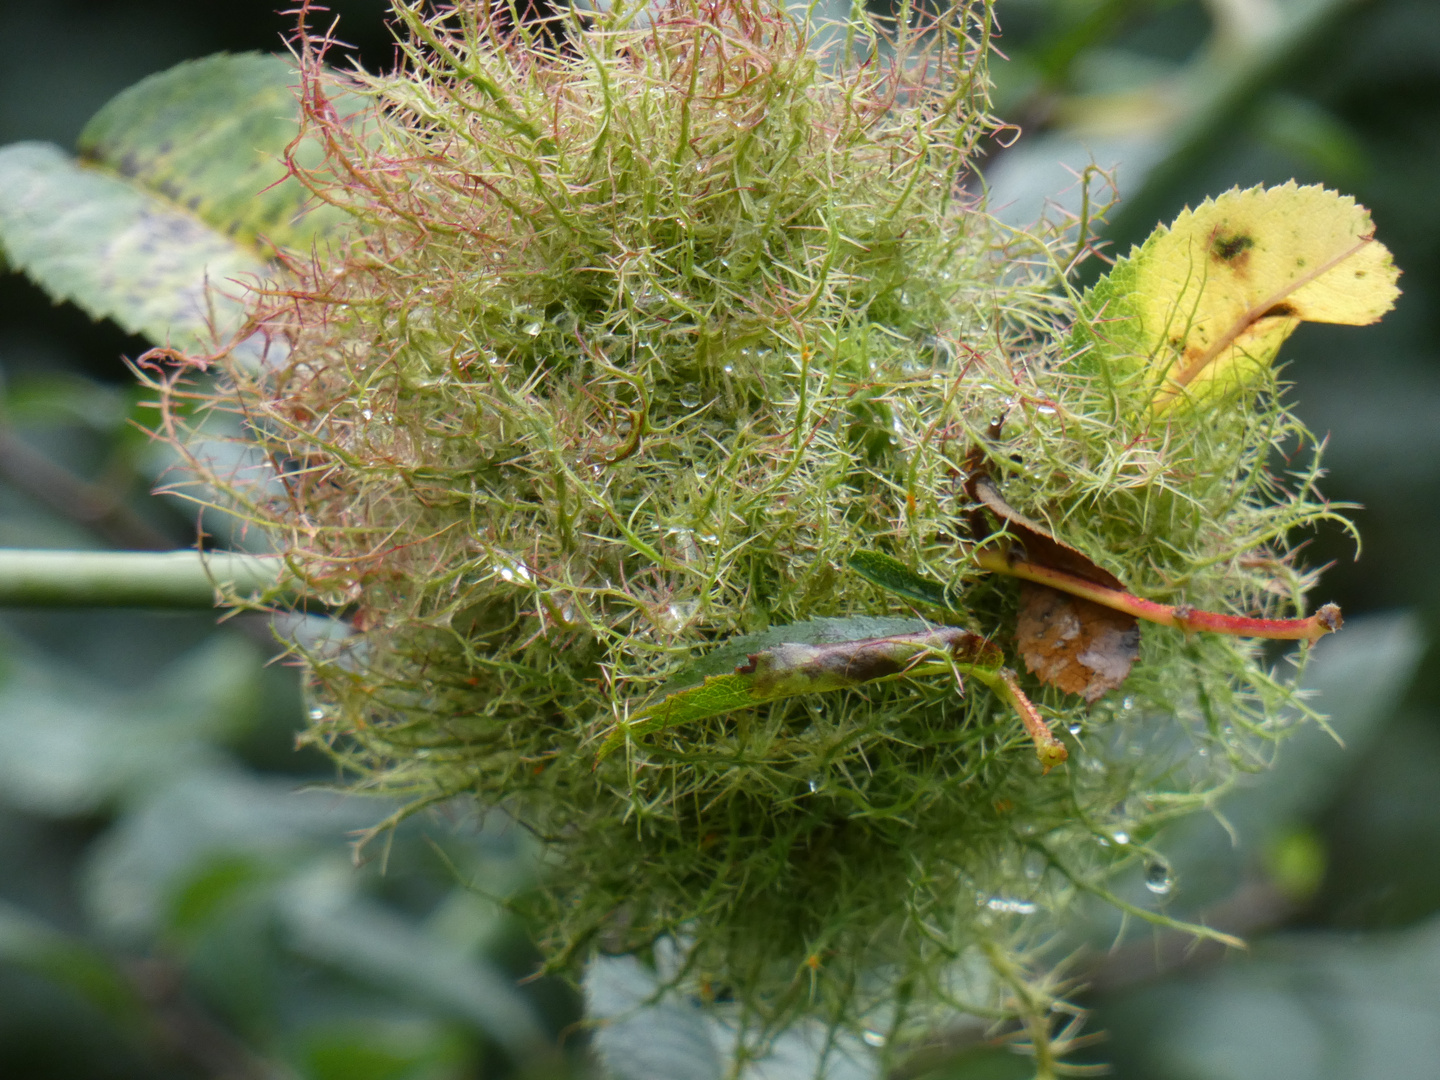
(1046, 410)
(814, 787)
(1012, 907)
(534, 328)
(1075, 728)
(728, 369)
(677, 616)
(1159, 878)
(689, 395)
(701, 472)
(1121, 837)
(366, 414)
(317, 713)
(512, 570)
(1128, 704)
(684, 539)
(873, 1038)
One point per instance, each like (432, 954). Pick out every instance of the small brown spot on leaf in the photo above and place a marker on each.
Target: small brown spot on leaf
(1279, 311)
(1231, 248)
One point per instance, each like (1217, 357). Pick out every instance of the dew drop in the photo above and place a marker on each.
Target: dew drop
(366, 414)
(700, 472)
(1159, 878)
(873, 1038)
(1121, 837)
(677, 616)
(1046, 410)
(1011, 907)
(1075, 728)
(728, 369)
(317, 713)
(689, 395)
(1128, 704)
(512, 570)
(814, 787)
(534, 328)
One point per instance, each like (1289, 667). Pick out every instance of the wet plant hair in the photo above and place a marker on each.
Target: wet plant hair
(649, 320)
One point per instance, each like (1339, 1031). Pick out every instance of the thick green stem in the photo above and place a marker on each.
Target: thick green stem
(155, 579)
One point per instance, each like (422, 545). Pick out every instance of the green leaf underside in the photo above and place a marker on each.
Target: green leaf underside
(208, 135)
(173, 211)
(807, 658)
(895, 577)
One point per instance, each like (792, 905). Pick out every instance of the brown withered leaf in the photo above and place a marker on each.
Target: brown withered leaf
(1041, 548)
(1075, 644)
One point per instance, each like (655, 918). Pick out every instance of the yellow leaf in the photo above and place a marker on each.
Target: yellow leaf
(1209, 301)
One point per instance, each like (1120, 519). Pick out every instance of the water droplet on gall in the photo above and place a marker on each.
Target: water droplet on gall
(1159, 878)
(1012, 907)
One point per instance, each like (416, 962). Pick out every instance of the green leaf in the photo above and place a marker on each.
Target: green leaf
(120, 252)
(179, 200)
(37, 946)
(324, 918)
(807, 658)
(646, 1027)
(894, 576)
(643, 1032)
(209, 135)
(71, 746)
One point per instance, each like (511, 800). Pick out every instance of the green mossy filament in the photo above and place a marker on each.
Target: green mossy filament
(651, 325)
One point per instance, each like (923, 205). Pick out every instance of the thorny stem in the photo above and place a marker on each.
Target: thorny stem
(1181, 616)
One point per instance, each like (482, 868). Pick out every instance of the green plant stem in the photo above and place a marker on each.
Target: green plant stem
(156, 579)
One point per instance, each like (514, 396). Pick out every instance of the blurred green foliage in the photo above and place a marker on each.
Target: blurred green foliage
(176, 897)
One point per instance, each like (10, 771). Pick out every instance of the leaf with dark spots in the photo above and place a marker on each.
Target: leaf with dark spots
(1230, 248)
(1203, 306)
(772, 668)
